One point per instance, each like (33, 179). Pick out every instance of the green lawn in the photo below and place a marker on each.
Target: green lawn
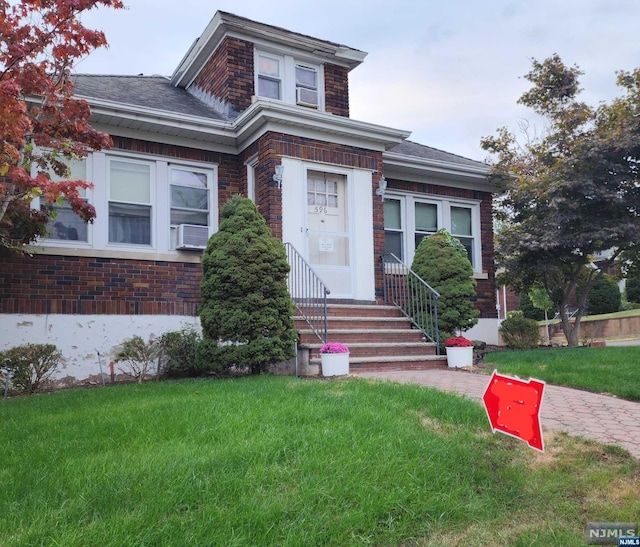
(283, 461)
(613, 370)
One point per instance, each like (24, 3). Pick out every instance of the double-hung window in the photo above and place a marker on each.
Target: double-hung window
(306, 85)
(189, 197)
(393, 228)
(287, 79)
(269, 76)
(130, 202)
(410, 218)
(64, 224)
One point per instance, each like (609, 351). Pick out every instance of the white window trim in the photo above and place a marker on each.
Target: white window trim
(212, 187)
(444, 204)
(53, 242)
(288, 76)
(153, 203)
(252, 165)
(161, 230)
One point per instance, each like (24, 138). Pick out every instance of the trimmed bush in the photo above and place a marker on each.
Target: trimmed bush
(31, 366)
(139, 356)
(442, 262)
(179, 354)
(246, 307)
(604, 297)
(518, 332)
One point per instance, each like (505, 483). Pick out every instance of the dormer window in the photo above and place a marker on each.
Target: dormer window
(285, 78)
(306, 86)
(269, 77)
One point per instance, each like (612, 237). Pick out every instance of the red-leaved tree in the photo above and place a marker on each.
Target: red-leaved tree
(42, 126)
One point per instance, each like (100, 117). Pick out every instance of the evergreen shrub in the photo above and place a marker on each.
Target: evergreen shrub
(246, 311)
(519, 332)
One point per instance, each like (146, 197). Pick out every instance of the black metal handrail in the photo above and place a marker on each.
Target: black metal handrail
(308, 292)
(413, 296)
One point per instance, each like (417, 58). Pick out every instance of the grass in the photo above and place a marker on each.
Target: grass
(282, 461)
(614, 370)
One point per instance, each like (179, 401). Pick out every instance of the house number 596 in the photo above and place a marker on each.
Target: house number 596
(320, 209)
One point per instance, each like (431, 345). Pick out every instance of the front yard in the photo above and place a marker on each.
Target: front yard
(283, 461)
(611, 370)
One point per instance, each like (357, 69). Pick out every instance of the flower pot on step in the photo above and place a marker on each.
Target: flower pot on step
(460, 357)
(334, 364)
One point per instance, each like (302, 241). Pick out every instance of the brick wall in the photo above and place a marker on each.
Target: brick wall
(336, 90)
(228, 75)
(486, 288)
(45, 284)
(272, 146)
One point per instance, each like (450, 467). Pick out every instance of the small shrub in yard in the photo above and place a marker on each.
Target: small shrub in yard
(179, 354)
(31, 365)
(139, 356)
(518, 332)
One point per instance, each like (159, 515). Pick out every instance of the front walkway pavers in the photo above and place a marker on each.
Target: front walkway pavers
(598, 417)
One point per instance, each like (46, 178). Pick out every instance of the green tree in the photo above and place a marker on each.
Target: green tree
(442, 262)
(528, 309)
(632, 288)
(569, 193)
(246, 311)
(604, 297)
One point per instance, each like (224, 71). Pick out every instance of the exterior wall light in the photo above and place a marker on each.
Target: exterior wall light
(382, 187)
(278, 175)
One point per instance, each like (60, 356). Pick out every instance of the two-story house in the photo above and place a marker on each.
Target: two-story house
(256, 110)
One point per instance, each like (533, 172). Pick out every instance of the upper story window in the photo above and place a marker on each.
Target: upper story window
(306, 86)
(288, 79)
(410, 218)
(269, 76)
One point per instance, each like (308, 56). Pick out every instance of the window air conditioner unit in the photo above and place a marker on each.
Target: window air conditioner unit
(192, 237)
(306, 97)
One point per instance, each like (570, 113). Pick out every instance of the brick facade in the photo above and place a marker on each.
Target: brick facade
(336, 90)
(486, 288)
(45, 284)
(228, 76)
(272, 146)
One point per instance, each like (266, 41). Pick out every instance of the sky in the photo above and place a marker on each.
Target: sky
(449, 71)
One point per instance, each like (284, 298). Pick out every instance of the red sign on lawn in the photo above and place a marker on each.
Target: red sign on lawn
(513, 407)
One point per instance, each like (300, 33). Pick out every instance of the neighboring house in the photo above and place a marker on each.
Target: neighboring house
(246, 99)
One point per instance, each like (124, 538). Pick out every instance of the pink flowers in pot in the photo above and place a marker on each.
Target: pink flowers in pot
(458, 342)
(334, 347)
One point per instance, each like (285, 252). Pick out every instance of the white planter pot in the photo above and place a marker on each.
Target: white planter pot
(460, 357)
(334, 364)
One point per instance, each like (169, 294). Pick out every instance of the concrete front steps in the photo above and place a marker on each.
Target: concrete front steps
(379, 338)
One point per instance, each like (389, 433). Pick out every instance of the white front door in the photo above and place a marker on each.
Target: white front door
(328, 231)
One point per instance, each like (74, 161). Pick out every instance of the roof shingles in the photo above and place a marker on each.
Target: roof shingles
(154, 92)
